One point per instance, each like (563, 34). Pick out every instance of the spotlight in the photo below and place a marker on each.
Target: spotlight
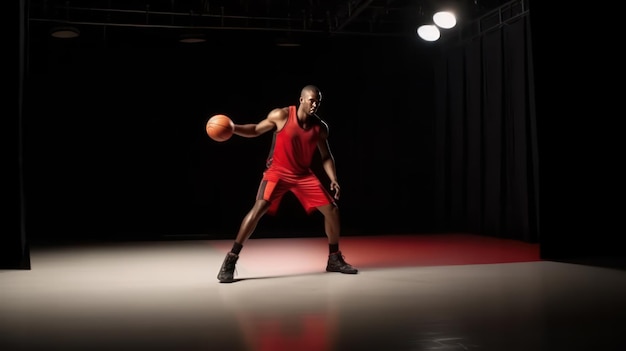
(429, 32)
(444, 19)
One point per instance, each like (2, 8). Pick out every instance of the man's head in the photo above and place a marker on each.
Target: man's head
(310, 98)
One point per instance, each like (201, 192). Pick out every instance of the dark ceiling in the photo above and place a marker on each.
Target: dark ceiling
(319, 18)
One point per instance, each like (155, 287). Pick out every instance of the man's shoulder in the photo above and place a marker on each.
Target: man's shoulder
(280, 112)
(282, 109)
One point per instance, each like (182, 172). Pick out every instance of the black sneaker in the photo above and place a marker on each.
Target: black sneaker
(336, 263)
(227, 271)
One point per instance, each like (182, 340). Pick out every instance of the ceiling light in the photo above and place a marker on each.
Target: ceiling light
(65, 32)
(428, 32)
(444, 19)
(192, 38)
(287, 41)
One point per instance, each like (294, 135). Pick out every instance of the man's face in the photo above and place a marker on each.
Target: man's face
(310, 101)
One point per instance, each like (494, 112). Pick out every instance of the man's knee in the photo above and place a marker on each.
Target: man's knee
(260, 207)
(329, 210)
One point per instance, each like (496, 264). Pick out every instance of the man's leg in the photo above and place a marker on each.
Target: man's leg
(250, 221)
(332, 225)
(248, 224)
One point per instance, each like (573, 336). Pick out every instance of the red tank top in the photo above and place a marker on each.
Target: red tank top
(293, 147)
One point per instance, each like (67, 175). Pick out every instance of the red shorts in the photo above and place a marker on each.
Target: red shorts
(307, 189)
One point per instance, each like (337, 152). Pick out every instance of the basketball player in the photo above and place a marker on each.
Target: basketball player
(298, 133)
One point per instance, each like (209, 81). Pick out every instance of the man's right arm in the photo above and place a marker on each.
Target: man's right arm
(252, 130)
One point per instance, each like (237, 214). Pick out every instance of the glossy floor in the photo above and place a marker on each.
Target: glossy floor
(413, 293)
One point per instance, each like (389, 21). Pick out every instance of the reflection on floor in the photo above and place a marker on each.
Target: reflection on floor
(413, 292)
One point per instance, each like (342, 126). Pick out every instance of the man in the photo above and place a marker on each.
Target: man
(298, 133)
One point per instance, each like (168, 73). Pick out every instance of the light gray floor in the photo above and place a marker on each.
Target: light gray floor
(164, 296)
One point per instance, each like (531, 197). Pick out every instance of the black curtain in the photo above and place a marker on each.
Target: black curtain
(486, 136)
(581, 143)
(14, 251)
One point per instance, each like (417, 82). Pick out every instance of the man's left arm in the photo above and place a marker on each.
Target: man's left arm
(328, 163)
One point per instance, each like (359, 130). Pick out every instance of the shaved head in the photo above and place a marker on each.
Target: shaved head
(311, 89)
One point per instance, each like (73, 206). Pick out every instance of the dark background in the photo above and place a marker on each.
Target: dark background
(115, 141)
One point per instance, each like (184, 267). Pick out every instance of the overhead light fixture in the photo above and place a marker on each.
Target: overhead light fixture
(192, 38)
(287, 41)
(429, 32)
(65, 32)
(444, 19)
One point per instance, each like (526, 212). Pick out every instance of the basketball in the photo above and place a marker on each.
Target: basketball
(220, 127)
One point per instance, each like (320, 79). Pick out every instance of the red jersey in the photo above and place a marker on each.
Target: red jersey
(293, 147)
(289, 166)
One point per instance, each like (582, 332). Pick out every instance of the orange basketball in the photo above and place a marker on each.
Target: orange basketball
(220, 127)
